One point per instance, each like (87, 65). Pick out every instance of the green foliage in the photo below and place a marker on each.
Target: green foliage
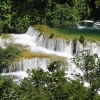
(51, 36)
(7, 56)
(97, 2)
(1, 26)
(90, 66)
(81, 39)
(6, 16)
(62, 17)
(52, 85)
(9, 90)
(54, 66)
(46, 85)
(17, 16)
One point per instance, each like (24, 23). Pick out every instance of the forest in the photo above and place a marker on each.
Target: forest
(54, 84)
(17, 15)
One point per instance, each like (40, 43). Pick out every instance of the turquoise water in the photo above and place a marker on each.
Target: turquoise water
(88, 29)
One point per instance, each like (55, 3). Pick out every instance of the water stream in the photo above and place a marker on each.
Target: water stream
(39, 43)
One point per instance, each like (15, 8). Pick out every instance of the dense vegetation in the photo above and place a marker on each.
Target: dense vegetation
(90, 66)
(53, 84)
(49, 85)
(7, 56)
(18, 15)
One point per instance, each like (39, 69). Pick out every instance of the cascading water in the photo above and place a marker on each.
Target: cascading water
(54, 44)
(25, 64)
(62, 45)
(38, 42)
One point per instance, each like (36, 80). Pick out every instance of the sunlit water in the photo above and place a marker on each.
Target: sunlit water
(40, 44)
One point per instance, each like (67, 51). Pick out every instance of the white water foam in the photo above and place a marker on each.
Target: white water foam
(31, 39)
(94, 25)
(21, 74)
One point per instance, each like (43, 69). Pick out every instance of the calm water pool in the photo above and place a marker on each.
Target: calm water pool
(88, 29)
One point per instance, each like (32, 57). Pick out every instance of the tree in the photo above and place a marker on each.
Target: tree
(46, 85)
(7, 56)
(90, 66)
(16, 16)
(9, 90)
(6, 14)
(62, 16)
(52, 85)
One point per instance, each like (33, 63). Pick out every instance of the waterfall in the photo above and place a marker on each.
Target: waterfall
(51, 44)
(54, 44)
(33, 33)
(36, 42)
(25, 64)
(93, 47)
(62, 45)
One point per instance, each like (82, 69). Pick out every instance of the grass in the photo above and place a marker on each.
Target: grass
(28, 54)
(48, 31)
(5, 36)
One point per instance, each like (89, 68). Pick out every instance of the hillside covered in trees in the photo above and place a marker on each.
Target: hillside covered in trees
(18, 15)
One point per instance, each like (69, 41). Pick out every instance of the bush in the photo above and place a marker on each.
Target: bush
(8, 55)
(81, 39)
(1, 26)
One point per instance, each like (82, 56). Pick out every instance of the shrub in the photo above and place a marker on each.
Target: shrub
(81, 39)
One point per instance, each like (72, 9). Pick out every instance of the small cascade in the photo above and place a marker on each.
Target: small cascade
(72, 47)
(98, 48)
(69, 46)
(93, 47)
(72, 70)
(58, 44)
(25, 64)
(33, 33)
(79, 48)
(40, 43)
(54, 44)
